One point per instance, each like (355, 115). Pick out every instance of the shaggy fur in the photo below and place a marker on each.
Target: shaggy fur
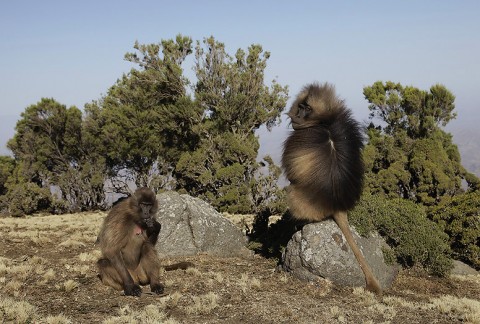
(322, 160)
(127, 240)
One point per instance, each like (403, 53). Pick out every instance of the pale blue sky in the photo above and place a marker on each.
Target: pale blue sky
(73, 51)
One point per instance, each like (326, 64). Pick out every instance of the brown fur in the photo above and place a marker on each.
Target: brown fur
(127, 240)
(322, 160)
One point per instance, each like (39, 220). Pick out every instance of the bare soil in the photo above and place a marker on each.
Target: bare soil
(246, 290)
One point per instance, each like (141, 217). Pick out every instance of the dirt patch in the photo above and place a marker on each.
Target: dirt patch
(49, 262)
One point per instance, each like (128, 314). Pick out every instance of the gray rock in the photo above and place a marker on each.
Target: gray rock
(321, 250)
(462, 269)
(191, 226)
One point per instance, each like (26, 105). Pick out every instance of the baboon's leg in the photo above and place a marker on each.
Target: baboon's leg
(148, 271)
(108, 275)
(371, 282)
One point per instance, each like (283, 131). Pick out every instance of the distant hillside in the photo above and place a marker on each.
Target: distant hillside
(468, 142)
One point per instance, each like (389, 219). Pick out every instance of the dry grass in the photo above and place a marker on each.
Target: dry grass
(72, 243)
(218, 277)
(48, 276)
(203, 304)
(467, 310)
(70, 285)
(474, 279)
(13, 287)
(150, 314)
(246, 283)
(16, 311)
(193, 272)
(89, 257)
(402, 302)
(58, 319)
(52, 258)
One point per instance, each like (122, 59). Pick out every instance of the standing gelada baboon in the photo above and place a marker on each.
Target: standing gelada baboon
(127, 240)
(322, 160)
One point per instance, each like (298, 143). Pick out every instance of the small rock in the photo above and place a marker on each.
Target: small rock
(462, 269)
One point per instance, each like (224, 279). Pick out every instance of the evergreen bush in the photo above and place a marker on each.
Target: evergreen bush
(414, 238)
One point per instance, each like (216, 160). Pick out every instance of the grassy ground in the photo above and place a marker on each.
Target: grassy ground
(48, 275)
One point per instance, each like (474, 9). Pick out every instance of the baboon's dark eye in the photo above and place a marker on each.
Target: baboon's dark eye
(303, 110)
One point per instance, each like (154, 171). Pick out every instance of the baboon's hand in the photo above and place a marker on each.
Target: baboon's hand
(133, 290)
(149, 222)
(157, 288)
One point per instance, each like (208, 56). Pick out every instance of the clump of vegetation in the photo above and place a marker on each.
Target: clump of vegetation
(203, 304)
(414, 238)
(149, 314)
(28, 198)
(459, 217)
(408, 154)
(17, 311)
(155, 128)
(7, 165)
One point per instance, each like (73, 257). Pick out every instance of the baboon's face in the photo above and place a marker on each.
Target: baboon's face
(146, 203)
(313, 106)
(146, 208)
(306, 111)
(299, 115)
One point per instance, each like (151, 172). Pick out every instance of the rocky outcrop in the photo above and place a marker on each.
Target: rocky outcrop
(190, 226)
(321, 250)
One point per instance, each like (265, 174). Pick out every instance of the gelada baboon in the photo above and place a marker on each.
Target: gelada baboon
(127, 240)
(322, 160)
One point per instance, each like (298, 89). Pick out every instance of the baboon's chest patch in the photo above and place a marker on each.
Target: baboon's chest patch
(137, 230)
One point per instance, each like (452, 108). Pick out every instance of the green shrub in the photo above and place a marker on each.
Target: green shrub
(28, 198)
(414, 238)
(7, 164)
(459, 217)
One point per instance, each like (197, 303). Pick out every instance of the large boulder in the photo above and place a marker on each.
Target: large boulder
(190, 226)
(321, 250)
